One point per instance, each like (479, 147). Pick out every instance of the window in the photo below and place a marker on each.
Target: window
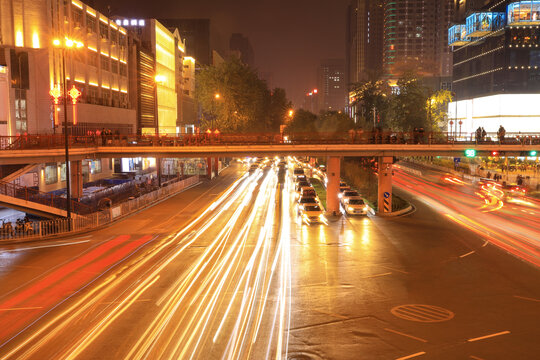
(103, 30)
(114, 66)
(105, 63)
(90, 23)
(21, 120)
(123, 69)
(76, 16)
(92, 58)
(51, 173)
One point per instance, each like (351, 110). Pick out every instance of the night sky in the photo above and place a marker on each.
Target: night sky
(289, 37)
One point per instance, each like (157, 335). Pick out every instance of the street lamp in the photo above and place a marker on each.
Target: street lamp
(67, 44)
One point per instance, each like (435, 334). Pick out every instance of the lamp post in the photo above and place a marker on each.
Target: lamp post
(63, 46)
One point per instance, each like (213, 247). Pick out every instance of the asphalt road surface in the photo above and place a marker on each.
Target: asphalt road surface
(226, 270)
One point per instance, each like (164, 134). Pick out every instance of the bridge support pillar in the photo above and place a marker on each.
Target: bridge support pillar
(333, 175)
(76, 179)
(216, 167)
(209, 168)
(384, 199)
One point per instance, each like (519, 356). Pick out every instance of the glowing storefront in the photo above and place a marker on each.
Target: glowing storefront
(515, 112)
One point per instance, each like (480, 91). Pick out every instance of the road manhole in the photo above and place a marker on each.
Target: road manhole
(422, 313)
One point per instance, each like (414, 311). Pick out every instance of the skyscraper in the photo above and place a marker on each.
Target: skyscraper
(240, 44)
(364, 39)
(415, 37)
(332, 85)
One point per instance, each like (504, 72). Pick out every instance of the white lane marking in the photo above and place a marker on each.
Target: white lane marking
(377, 275)
(489, 336)
(46, 246)
(467, 254)
(407, 335)
(412, 355)
(526, 298)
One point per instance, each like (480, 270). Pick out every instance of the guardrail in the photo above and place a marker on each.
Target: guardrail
(31, 142)
(37, 229)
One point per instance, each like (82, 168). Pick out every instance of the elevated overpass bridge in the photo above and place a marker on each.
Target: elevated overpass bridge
(33, 149)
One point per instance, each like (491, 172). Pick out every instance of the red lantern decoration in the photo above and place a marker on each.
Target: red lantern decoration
(55, 93)
(74, 93)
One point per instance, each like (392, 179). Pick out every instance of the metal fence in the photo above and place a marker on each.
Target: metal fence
(36, 229)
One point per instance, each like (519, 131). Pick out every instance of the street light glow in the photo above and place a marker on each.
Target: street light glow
(217, 96)
(56, 42)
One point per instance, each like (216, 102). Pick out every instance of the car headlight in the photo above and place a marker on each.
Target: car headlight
(365, 208)
(340, 195)
(350, 209)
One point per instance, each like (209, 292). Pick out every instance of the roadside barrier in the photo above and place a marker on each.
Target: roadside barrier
(37, 229)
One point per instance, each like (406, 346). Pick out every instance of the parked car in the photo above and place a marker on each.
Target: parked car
(356, 206)
(342, 187)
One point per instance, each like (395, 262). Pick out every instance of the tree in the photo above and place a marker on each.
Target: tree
(409, 105)
(279, 109)
(438, 109)
(233, 98)
(302, 121)
(371, 99)
(333, 122)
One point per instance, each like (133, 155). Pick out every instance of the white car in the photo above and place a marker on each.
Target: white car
(356, 206)
(348, 194)
(312, 214)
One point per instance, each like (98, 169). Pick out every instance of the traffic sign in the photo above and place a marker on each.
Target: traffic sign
(386, 195)
(457, 160)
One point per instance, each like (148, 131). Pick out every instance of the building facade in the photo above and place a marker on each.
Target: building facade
(415, 38)
(32, 66)
(496, 49)
(332, 85)
(240, 46)
(364, 39)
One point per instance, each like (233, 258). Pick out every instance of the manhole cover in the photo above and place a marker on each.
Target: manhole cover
(422, 313)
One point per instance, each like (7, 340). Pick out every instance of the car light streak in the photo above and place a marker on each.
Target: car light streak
(509, 228)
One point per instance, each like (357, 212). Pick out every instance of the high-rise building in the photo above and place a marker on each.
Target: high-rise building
(240, 45)
(196, 32)
(332, 85)
(415, 38)
(496, 78)
(364, 39)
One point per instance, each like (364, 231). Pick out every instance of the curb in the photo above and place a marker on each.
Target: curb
(407, 210)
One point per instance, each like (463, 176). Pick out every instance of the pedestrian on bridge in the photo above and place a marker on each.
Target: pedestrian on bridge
(501, 133)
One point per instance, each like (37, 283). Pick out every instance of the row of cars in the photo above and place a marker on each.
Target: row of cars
(309, 205)
(351, 201)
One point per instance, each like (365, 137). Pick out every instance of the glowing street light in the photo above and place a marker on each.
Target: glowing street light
(67, 44)
(291, 113)
(217, 96)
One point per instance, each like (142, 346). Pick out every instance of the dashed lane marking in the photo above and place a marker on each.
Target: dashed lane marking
(422, 313)
(467, 254)
(489, 336)
(406, 335)
(23, 308)
(475, 357)
(412, 355)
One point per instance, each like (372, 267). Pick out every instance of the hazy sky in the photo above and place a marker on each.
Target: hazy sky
(289, 38)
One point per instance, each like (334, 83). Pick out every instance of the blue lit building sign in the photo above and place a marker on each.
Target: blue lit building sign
(524, 13)
(481, 23)
(457, 35)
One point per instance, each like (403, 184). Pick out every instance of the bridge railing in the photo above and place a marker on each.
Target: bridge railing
(43, 198)
(9, 230)
(29, 142)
